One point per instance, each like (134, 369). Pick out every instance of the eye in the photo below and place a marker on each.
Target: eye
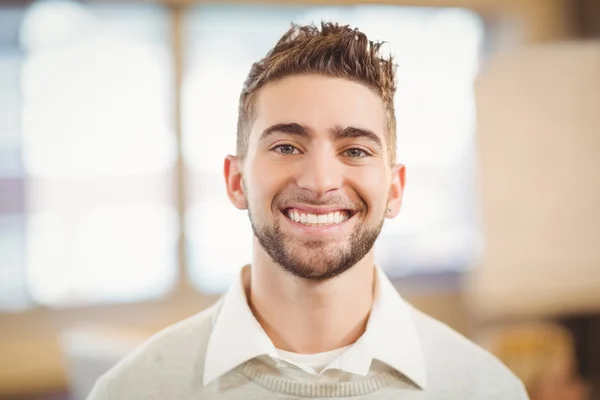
(286, 149)
(356, 152)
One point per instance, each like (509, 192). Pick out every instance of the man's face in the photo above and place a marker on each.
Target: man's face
(317, 180)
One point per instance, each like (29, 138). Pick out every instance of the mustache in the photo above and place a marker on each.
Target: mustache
(336, 200)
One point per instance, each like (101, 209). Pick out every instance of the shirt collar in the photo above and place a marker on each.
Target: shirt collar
(236, 336)
(391, 332)
(391, 336)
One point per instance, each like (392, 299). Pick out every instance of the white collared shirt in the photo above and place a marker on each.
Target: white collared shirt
(390, 341)
(313, 364)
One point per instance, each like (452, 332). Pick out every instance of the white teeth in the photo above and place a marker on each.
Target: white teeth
(317, 220)
(336, 217)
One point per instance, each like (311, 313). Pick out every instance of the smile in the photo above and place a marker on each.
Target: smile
(317, 220)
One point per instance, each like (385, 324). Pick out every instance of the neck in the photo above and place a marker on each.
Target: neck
(310, 317)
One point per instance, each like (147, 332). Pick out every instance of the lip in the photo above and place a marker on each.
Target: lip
(316, 210)
(317, 230)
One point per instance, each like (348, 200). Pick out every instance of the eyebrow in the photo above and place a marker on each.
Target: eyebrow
(338, 132)
(289, 128)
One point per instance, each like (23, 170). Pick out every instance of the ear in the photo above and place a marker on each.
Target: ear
(396, 191)
(232, 170)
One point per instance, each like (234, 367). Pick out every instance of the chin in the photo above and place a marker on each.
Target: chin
(315, 268)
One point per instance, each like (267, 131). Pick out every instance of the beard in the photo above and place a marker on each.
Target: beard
(313, 259)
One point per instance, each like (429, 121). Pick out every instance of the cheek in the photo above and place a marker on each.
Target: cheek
(264, 182)
(372, 185)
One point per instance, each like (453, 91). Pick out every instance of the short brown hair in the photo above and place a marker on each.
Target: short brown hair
(333, 50)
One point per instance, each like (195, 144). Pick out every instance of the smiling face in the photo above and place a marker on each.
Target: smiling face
(316, 179)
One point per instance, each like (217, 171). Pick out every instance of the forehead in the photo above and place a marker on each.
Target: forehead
(319, 102)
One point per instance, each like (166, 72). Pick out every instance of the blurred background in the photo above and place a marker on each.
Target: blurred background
(115, 117)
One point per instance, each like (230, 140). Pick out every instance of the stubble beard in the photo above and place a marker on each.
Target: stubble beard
(319, 261)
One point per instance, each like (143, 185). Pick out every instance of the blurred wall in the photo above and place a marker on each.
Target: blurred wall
(539, 150)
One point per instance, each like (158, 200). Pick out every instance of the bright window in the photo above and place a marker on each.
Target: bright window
(88, 157)
(437, 50)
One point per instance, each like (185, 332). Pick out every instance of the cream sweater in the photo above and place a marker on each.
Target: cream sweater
(170, 366)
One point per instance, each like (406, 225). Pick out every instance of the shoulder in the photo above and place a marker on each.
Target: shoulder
(444, 346)
(462, 366)
(174, 354)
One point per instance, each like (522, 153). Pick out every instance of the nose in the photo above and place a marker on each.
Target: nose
(320, 172)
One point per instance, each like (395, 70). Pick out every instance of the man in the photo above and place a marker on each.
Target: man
(313, 316)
